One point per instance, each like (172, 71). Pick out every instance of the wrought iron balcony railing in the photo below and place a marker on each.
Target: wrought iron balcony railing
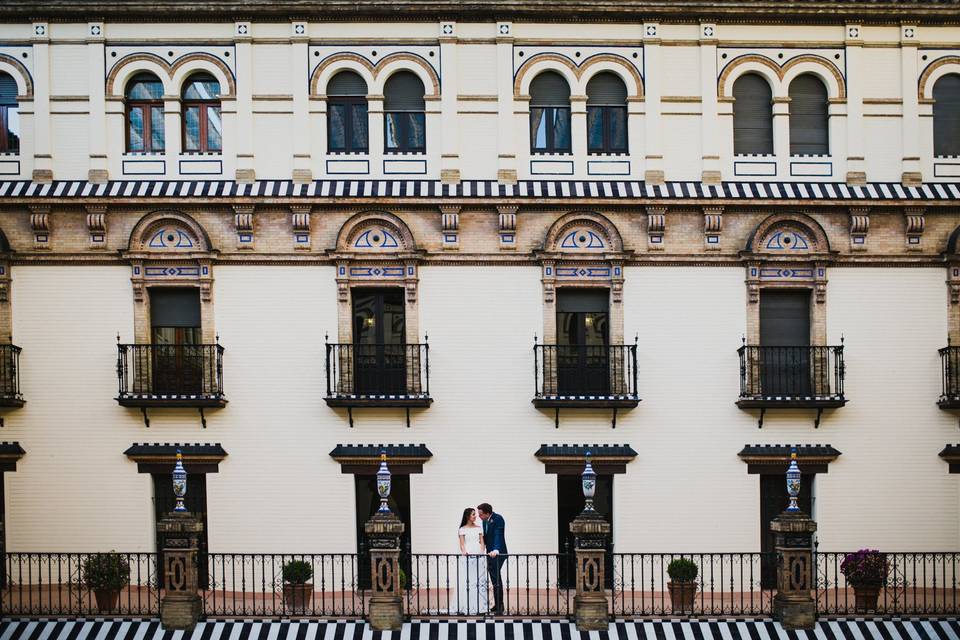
(378, 375)
(170, 375)
(10, 395)
(791, 377)
(950, 376)
(585, 375)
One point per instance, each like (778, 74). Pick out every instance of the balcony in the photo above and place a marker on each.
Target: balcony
(791, 378)
(585, 377)
(170, 375)
(10, 395)
(950, 376)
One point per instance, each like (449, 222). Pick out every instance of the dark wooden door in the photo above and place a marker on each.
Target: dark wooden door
(379, 337)
(773, 502)
(177, 365)
(583, 338)
(570, 503)
(196, 503)
(785, 334)
(367, 503)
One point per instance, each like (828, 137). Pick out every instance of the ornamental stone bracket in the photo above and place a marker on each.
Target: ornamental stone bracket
(859, 228)
(300, 224)
(243, 221)
(712, 227)
(507, 227)
(450, 227)
(40, 227)
(656, 227)
(97, 226)
(914, 223)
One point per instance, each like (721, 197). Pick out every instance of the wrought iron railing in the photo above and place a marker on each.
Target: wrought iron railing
(170, 371)
(10, 375)
(463, 585)
(726, 584)
(950, 369)
(252, 584)
(574, 371)
(378, 371)
(924, 583)
(66, 584)
(791, 373)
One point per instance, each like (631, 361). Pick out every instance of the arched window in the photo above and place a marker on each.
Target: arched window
(809, 120)
(549, 114)
(405, 124)
(946, 116)
(144, 100)
(9, 115)
(202, 125)
(606, 114)
(752, 115)
(347, 113)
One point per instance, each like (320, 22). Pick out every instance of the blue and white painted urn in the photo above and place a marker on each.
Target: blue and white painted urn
(383, 484)
(179, 483)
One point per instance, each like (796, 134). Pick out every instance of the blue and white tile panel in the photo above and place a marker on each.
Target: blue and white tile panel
(842, 629)
(478, 189)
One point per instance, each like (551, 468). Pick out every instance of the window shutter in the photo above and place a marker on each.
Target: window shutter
(752, 115)
(606, 90)
(8, 89)
(585, 300)
(404, 92)
(347, 83)
(808, 117)
(175, 307)
(549, 89)
(946, 116)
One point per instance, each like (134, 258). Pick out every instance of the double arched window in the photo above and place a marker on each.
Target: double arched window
(809, 117)
(549, 114)
(606, 114)
(404, 114)
(9, 115)
(752, 116)
(144, 102)
(347, 114)
(202, 124)
(946, 116)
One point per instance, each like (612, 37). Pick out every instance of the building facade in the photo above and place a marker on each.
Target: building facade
(485, 240)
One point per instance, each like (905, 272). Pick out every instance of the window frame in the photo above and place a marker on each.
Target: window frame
(203, 107)
(606, 146)
(551, 146)
(769, 118)
(146, 106)
(404, 133)
(5, 146)
(350, 103)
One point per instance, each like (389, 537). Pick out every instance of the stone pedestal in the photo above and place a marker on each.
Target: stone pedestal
(179, 535)
(794, 604)
(385, 611)
(591, 608)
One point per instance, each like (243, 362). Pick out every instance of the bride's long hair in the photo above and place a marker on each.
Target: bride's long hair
(465, 520)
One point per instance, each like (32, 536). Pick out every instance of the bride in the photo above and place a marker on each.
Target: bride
(472, 567)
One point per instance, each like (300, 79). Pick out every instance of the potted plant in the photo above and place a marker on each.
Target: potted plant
(682, 584)
(866, 571)
(106, 574)
(297, 589)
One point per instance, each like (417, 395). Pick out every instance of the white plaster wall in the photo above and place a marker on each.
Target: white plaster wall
(68, 70)
(883, 143)
(681, 134)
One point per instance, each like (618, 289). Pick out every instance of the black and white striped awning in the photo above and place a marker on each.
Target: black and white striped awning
(843, 629)
(542, 189)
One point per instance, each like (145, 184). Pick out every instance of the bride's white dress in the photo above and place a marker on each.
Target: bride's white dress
(471, 596)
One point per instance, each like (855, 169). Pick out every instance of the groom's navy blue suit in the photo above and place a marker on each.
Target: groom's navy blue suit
(494, 536)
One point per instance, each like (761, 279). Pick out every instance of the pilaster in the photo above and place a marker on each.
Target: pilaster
(299, 65)
(710, 119)
(856, 166)
(449, 80)
(97, 121)
(910, 120)
(42, 153)
(654, 126)
(243, 40)
(506, 140)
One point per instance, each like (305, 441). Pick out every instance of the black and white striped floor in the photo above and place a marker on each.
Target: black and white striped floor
(727, 629)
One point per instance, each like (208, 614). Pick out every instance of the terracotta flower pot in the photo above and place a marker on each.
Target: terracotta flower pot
(866, 597)
(297, 597)
(682, 595)
(107, 599)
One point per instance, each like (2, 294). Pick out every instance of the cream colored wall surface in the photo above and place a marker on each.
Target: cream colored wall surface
(884, 148)
(478, 144)
(271, 70)
(684, 76)
(477, 69)
(71, 146)
(68, 66)
(681, 135)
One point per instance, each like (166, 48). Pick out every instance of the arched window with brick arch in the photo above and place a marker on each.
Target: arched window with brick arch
(809, 118)
(549, 114)
(347, 113)
(144, 109)
(752, 116)
(606, 114)
(405, 124)
(9, 115)
(946, 116)
(202, 123)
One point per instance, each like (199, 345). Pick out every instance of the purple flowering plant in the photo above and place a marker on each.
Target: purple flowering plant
(865, 568)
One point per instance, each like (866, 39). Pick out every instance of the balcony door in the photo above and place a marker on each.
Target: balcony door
(583, 338)
(196, 503)
(785, 336)
(367, 503)
(175, 334)
(773, 502)
(379, 336)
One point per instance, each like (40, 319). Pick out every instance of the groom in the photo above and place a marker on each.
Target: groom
(494, 537)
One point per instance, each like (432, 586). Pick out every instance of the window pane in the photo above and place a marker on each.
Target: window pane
(214, 129)
(157, 139)
(336, 130)
(135, 127)
(202, 89)
(538, 129)
(191, 129)
(594, 129)
(416, 131)
(561, 129)
(393, 132)
(12, 122)
(145, 88)
(359, 113)
(618, 128)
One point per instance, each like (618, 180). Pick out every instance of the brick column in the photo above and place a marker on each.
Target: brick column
(385, 610)
(179, 534)
(590, 605)
(794, 605)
